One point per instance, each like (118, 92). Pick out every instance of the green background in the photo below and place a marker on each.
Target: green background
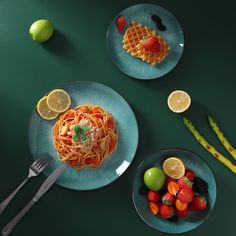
(78, 52)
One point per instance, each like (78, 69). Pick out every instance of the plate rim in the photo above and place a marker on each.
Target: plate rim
(179, 149)
(113, 61)
(117, 94)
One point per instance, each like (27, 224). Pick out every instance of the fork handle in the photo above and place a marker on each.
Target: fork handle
(5, 202)
(11, 225)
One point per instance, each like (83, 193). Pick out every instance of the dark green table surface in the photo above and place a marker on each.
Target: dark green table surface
(78, 52)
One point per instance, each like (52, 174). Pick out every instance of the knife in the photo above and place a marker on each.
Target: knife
(51, 179)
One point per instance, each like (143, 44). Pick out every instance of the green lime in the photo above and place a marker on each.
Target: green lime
(154, 178)
(41, 30)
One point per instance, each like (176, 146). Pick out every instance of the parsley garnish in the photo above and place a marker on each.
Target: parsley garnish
(80, 133)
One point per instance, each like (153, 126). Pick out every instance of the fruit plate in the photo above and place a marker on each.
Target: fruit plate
(135, 67)
(194, 218)
(89, 92)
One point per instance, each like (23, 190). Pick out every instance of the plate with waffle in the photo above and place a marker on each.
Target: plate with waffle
(145, 41)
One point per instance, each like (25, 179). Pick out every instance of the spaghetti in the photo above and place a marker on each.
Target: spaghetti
(85, 136)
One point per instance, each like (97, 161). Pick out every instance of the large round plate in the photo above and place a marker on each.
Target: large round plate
(135, 67)
(88, 92)
(194, 218)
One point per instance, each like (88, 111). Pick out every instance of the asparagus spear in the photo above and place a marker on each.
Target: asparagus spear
(225, 142)
(208, 146)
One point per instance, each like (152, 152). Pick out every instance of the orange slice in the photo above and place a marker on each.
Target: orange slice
(58, 100)
(44, 111)
(181, 206)
(173, 167)
(153, 207)
(173, 188)
(179, 101)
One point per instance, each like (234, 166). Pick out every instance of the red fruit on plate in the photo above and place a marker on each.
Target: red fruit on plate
(182, 213)
(168, 180)
(151, 44)
(190, 174)
(153, 207)
(173, 188)
(185, 195)
(198, 203)
(120, 23)
(184, 182)
(166, 211)
(153, 196)
(168, 199)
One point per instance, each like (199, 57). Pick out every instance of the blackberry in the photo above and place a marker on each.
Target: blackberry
(200, 186)
(163, 191)
(158, 22)
(161, 27)
(143, 190)
(156, 19)
(173, 218)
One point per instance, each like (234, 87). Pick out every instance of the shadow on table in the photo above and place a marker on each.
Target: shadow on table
(60, 45)
(197, 113)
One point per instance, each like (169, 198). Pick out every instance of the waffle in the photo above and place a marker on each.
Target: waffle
(151, 57)
(134, 33)
(131, 43)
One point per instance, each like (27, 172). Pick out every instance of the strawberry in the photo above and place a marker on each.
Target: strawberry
(168, 199)
(153, 196)
(190, 174)
(151, 44)
(166, 211)
(120, 23)
(182, 213)
(153, 207)
(199, 203)
(185, 195)
(184, 182)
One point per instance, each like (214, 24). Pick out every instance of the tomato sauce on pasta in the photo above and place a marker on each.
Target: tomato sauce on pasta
(85, 136)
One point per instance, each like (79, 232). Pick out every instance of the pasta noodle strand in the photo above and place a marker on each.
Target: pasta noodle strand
(96, 141)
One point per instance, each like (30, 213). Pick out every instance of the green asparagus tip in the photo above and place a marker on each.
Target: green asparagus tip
(185, 119)
(211, 119)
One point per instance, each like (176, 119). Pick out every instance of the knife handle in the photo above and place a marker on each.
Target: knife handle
(5, 202)
(10, 226)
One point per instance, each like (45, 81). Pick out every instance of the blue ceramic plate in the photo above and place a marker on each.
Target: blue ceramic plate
(88, 92)
(194, 218)
(134, 67)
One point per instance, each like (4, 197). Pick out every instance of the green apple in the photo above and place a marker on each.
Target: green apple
(41, 30)
(154, 178)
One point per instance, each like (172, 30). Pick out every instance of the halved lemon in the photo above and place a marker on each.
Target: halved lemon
(58, 100)
(179, 101)
(44, 111)
(174, 167)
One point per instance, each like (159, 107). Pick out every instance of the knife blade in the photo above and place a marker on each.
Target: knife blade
(51, 179)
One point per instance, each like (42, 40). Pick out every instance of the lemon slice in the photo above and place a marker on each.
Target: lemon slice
(173, 167)
(179, 101)
(58, 100)
(44, 111)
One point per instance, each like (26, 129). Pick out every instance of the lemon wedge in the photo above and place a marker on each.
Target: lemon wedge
(173, 167)
(179, 101)
(58, 100)
(44, 111)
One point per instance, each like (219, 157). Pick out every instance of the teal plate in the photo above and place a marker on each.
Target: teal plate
(194, 218)
(135, 67)
(89, 92)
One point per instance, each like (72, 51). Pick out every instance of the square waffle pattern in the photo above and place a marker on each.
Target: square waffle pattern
(131, 43)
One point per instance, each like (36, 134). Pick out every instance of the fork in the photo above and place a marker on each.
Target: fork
(35, 169)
